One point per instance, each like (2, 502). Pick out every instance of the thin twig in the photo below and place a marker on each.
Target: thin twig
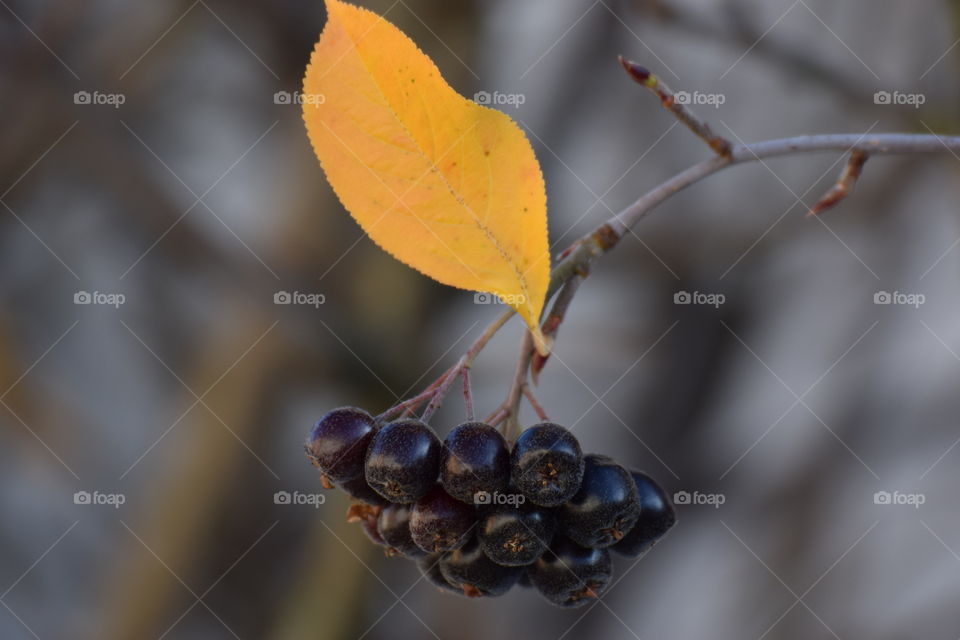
(538, 409)
(441, 392)
(467, 394)
(845, 183)
(552, 323)
(579, 256)
(441, 385)
(512, 404)
(496, 417)
(672, 103)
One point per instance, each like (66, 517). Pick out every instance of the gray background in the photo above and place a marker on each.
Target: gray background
(199, 198)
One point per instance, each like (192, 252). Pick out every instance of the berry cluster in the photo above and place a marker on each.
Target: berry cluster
(479, 516)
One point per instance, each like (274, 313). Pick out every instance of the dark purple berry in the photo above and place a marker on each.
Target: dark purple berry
(439, 522)
(605, 508)
(403, 461)
(515, 535)
(468, 569)
(358, 489)
(656, 517)
(569, 575)
(394, 527)
(547, 464)
(475, 459)
(338, 442)
(430, 568)
(524, 580)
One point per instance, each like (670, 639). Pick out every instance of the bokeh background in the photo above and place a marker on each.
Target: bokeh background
(198, 199)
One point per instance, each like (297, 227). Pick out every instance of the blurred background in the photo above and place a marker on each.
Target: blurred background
(159, 191)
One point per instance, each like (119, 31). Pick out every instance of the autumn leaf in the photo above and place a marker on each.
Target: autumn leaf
(447, 186)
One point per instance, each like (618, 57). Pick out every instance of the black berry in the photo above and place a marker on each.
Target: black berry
(403, 460)
(547, 464)
(475, 574)
(430, 568)
(656, 517)
(569, 575)
(338, 443)
(475, 459)
(394, 527)
(515, 536)
(605, 508)
(358, 489)
(439, 522)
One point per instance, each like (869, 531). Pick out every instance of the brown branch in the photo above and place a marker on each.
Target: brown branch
(643, 76)
(845, 183)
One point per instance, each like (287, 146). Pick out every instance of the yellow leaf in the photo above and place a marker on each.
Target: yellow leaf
(449, 187)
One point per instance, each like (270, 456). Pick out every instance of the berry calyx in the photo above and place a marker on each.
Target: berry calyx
(403, 461)
(470, 570)
(475, 458)
(605, 508)
(515, 536)
(657, 516)
(569, 575)
(547, 464)
(439, 522)
(337, 444)
(394, 528)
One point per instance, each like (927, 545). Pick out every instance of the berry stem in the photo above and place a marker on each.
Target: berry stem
(536, 405)
(407, 406)
(511, 425)
(467, 394)
(496, 417)
(441, 391)
(438, 389)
